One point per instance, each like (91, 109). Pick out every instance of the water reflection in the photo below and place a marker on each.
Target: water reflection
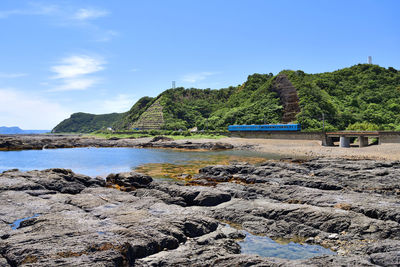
(102, 161)
(266, 247)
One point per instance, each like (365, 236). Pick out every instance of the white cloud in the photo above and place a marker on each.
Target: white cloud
(29, 111)
(196, 77)
(77, 65)
(75, 85)
(5, 75)
(89, 13)
(74, 71)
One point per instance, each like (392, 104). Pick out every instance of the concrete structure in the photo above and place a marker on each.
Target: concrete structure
(327, 139)
(280, 135)
(344, 141)
(344, 137)
(389, 137)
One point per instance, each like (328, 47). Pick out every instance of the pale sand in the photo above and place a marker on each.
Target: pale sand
(307, 148)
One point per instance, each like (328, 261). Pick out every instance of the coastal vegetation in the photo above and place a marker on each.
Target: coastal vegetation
(361, 97)
(86, 123)
(168, 134)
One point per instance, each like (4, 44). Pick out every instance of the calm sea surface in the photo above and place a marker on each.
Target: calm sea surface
(102, 161)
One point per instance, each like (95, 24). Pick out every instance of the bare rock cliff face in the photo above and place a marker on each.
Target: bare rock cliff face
(289, 98)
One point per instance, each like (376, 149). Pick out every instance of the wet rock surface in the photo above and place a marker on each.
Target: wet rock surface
(352, 207)
(21, 142)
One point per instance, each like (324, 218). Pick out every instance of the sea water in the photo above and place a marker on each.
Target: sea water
(102, 161)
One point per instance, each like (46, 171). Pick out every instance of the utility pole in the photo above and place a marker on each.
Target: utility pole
(323, 122)
(264, 119)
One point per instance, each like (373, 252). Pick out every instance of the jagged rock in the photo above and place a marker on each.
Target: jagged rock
(195, 195)
(160, 139)
(128, 181)
(211, 198)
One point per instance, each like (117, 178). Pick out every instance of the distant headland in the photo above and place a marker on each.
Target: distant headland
(17, 130)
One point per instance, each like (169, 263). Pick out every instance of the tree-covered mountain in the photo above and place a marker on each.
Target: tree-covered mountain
(86, 123)
(364, 97)
(361, 97)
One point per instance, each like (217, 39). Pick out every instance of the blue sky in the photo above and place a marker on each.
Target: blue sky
(100, 56)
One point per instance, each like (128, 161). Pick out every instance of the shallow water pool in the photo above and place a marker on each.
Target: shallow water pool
(102, 161)
(266, 247)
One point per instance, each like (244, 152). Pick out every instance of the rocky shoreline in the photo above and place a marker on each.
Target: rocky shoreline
(56, 217)
(25, 142)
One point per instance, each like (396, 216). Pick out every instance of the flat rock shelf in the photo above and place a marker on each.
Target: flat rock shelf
(350, 207)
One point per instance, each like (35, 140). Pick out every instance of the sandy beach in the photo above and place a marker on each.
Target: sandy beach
(312, 148)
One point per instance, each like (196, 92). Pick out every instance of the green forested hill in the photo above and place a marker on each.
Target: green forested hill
(362, 97)
(86, 123)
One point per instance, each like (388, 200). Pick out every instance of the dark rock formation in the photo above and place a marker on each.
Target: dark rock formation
(70, 219)
(161, 139)
(128, 181)
(189, 145)
(21, 142)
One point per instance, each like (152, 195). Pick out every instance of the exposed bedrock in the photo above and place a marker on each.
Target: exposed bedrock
(20, 142)
(56, 217)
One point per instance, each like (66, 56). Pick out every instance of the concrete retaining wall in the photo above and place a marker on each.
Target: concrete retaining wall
(384, 137)
(389, 137)
(280, 135)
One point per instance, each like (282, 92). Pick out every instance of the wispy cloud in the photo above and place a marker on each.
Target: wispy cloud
(74, 72)
(67, 16)
(89, 13)
(196, 77)
(105, 36)
(65, 12)
(19, 108)
(75, 85)
(32, 10)
(5, 75)
(77, 65)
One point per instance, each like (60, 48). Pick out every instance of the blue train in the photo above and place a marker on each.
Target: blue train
(264, 127)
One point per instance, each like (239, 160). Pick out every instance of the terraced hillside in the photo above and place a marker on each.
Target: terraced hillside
(152, 118)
